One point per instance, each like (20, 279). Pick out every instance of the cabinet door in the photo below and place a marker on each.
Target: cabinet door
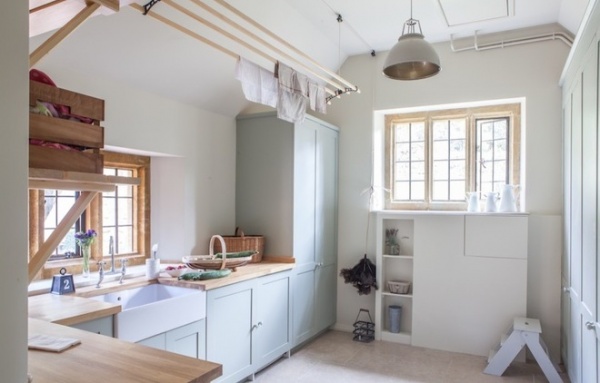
(326, 175)
(271, 331)
(589, 209)
(188, 340)
(325, 297)
(228, 330)
(303, 305)
(156, 341)
(305, 138)
(102, 326)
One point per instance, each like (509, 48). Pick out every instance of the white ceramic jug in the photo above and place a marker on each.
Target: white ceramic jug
(473, 201)
(507, 202)
(490, 204)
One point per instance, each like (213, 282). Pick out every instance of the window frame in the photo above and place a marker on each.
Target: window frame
(512, 111)
(93, 218)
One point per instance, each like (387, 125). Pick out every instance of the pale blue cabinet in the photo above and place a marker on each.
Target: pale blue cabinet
(188, 340)
(286, 190)
(102, 326)
(271, 337)
(248, 325)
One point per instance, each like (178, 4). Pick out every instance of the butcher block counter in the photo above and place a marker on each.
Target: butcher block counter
(69, 309)
(101, 359)
(269, 265)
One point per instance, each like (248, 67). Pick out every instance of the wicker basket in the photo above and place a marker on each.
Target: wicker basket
(399, 287)
(201, 262)
(242, 242)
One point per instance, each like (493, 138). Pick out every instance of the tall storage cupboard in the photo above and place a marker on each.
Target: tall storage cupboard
(286, 190)
(580, 322)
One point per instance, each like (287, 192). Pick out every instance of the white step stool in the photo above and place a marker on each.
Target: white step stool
(525, 331)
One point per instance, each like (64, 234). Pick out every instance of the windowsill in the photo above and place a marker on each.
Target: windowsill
(447, 212)
(43, 286)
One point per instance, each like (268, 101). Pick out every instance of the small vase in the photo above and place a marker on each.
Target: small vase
(85, 251)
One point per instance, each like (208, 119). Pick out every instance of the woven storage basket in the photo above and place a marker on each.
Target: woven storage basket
(242, 242)
(399, 287)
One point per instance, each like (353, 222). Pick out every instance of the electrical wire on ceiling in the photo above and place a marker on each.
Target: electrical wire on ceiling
(351, 29)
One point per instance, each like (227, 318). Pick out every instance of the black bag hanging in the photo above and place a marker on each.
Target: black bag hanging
(362, 276)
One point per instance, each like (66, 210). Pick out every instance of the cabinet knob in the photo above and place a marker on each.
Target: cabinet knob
(254, 327)
(590, 325)
(565, 290)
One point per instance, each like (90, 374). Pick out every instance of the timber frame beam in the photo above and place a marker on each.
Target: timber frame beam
(90, 8)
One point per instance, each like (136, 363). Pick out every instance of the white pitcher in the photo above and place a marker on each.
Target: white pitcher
(507, 202)
(490, 204)
(473, 201)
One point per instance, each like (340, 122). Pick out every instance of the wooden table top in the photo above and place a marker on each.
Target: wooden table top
(101, 359)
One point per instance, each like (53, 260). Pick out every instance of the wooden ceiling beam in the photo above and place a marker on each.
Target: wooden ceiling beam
(110, 4)
(61, 34)
(38, 260)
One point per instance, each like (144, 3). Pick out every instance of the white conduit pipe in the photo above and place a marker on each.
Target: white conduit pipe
(511, 42)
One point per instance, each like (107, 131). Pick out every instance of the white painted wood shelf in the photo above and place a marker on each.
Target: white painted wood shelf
(458, 264)
(394, 268)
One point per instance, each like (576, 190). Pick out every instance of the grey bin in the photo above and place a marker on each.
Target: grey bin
(395, 315)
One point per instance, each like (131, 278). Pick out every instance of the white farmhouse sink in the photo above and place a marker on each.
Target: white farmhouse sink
(154, 309)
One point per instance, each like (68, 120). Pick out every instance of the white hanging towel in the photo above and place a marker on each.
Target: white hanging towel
(293, 94)
(258, 84)
(317, 97)
(291, 106)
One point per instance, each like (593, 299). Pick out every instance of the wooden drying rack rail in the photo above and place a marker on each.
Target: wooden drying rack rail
(90, 184)
(72, 13)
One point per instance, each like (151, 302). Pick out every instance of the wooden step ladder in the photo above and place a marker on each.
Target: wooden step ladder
(525, 331)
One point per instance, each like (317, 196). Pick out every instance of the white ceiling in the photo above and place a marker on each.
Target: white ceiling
(146, 54)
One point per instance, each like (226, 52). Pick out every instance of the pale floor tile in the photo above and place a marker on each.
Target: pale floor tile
(335, 357)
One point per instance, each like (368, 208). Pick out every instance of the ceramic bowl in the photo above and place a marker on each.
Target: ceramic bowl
(177, 272)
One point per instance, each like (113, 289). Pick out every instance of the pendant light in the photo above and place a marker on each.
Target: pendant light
(412, 58)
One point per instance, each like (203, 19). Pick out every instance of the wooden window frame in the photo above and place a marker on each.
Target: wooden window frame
(512, 111)
(93, 217)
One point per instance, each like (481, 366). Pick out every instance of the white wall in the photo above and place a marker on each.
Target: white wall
(531, 71)
(13, 189)
(193, 182)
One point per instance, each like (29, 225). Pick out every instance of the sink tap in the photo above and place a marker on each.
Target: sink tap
(100, 273)
(123, 270)
(111, 251)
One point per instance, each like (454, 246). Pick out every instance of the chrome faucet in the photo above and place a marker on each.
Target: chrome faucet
(123, 269)
(100, 273)
(111, 251)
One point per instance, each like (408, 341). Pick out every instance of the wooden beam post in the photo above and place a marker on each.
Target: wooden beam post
(61, 34)
(37, 261)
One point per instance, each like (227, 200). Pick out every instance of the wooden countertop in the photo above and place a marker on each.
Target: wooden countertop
(249, 271)
(69, 309)
(100, 359)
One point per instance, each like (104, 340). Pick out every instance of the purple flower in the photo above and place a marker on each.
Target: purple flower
(85, 238)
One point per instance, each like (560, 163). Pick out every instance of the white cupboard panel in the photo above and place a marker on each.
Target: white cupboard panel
(496, 236)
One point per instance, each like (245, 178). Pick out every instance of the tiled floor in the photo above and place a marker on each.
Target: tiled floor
(334, 357)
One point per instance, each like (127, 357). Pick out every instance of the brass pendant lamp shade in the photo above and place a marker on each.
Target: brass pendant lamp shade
(412, 58)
